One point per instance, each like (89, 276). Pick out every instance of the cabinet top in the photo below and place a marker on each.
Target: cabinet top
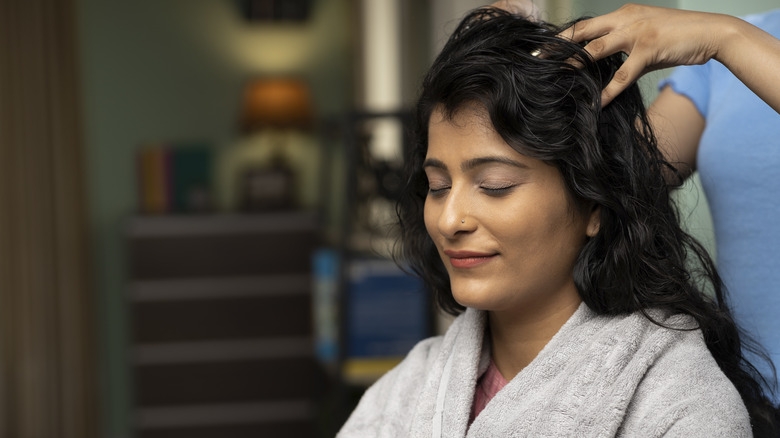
(219, 224)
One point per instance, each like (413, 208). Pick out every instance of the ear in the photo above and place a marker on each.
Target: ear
(594, 221)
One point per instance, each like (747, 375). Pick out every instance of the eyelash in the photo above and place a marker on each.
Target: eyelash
(437, 192)
(490, 191)
(498, 191)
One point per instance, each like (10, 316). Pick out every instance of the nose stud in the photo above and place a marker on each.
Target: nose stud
(463, 221)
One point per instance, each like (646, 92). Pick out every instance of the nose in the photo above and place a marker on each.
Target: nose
(455, 215)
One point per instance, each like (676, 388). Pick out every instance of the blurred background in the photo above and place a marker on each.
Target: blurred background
(196, 209)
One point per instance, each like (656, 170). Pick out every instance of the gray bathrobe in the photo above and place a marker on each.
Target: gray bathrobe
(599, 376)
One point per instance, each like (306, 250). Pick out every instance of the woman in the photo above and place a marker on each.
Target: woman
(700, 118)
(545, 223)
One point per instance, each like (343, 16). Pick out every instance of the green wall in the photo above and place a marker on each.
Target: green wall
(598, 7)
(173, 70)
(730, 7)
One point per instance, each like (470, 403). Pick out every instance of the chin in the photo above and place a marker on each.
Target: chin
(476, 300)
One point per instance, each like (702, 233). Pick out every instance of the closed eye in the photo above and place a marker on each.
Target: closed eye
(498, 190)
(437, 191)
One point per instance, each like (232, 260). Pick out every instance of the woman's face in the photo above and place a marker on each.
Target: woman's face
(501, 221)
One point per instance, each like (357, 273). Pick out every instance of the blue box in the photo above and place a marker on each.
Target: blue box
(388, 310)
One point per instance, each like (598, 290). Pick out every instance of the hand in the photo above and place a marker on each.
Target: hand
(526, 8)
(652, 37)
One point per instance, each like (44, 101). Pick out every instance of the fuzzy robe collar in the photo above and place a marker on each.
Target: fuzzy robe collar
(599, 376)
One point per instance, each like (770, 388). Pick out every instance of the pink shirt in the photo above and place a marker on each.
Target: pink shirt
(487, 387)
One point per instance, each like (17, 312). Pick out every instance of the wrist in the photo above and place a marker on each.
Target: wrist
(729, 37)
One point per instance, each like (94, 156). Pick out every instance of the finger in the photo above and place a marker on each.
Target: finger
(585, 30)
(567, 34)
(600, 48)
(626, 75)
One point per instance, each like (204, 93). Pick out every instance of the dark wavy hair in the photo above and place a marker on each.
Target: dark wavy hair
(542, 95)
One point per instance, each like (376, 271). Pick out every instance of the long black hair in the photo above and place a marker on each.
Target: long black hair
(542, 95)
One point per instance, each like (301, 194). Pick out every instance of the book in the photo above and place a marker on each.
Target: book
(174, 178)
(326, 267)
(154, 163)
(190, 172)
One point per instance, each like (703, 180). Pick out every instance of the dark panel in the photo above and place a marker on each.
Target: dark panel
(224, 382)
(302, 429)
(276, 10)
(234, 318)
(220, 255)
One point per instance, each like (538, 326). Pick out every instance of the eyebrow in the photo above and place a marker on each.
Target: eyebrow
(475, 162)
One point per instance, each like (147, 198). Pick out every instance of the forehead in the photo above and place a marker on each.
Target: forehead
(469, 116)
(467, 129)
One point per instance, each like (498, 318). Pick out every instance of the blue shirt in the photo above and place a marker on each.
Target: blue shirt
(739, 165)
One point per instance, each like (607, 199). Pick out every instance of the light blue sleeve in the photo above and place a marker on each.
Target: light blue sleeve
(693, 82)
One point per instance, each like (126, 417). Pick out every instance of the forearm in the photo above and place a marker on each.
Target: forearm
(678, 127)
(753, 56)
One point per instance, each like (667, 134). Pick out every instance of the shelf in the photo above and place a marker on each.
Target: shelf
(200, 288)
(165, 353)
(220, 224)
(220, 308)
(166, 417)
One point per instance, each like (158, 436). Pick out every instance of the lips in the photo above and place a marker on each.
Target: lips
(468, 259)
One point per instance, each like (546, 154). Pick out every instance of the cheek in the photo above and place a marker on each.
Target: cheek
(429, 216)
(531, 226)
